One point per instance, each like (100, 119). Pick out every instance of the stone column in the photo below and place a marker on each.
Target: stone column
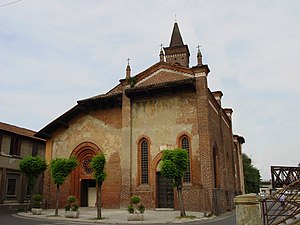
(248, 210)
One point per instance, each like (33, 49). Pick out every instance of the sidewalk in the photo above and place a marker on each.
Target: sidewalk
(118, 216)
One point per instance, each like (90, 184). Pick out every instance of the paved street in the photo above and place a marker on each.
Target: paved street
(226, 219)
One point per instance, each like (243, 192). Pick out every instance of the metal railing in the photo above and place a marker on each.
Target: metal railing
(284, 175)
(281, 205)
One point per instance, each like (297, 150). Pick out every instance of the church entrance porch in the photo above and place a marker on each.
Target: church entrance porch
(165, 192)
(88, 195)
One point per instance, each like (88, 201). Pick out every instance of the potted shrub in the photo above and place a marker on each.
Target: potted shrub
(36, 204)
(136, 209)
(71, 208)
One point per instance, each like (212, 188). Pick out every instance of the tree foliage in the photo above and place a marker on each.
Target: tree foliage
(60, 168)
(251, 175)
(98, 164)
(32, 166)
(174, 165)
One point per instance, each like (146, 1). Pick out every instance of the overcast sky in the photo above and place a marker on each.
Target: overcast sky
(54, 52)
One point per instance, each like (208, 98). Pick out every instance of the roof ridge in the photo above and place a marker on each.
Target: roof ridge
(19, 130)
(15, 126)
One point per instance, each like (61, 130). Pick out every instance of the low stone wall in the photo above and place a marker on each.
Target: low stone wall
(248, 210)
(12, 208)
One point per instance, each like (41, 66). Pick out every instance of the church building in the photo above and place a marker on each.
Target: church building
(166, 106)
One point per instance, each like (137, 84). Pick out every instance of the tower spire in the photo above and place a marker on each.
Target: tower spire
(176, 39)
(177, 52)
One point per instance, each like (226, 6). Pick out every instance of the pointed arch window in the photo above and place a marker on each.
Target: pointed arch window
(144, 148)
(185, 144)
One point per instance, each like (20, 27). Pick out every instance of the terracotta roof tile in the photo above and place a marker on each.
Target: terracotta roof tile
(113, 92)
(18, 130)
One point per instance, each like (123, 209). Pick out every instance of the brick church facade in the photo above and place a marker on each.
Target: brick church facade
(166, 106)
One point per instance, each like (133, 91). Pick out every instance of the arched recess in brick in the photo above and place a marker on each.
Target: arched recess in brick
(216, 172)
(155, 162)
(154, 170)
(84, 153)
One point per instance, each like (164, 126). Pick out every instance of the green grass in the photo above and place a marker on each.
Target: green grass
(187, 217)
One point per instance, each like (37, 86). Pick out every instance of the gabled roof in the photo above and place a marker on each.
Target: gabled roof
(140, 77)
(152, 89)
(18, 130)
(83, 106)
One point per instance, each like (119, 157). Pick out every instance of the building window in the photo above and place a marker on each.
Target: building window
(185, 144)
(35, 149)
(15, 146)
(11, 188)
(28, 190)
(144, 161)
(1, 137)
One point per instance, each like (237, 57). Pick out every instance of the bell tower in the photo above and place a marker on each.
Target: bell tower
(177, 52)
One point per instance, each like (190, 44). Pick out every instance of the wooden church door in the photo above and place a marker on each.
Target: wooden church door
(165, 192)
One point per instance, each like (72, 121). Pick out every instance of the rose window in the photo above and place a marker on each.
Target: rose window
(86, 165)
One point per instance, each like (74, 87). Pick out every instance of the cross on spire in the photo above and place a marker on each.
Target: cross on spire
(199, 46)
(128, 59)
(161, 46)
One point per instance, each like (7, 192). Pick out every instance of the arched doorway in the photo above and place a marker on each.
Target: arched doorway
(82, 184)
(165, 190)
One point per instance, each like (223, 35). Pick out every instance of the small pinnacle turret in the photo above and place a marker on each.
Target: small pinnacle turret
(161, 54)
(128, 70)
(199, 57)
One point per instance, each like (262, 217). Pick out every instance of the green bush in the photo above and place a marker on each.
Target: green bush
(135, 199)
(130, 209)
(136, 205)
(71, 199)
(141, 208)
(37, 201)
(67, 207)
(72, 204)
(75, 207)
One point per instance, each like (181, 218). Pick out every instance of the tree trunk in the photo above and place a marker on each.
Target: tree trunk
(181, 204)
(99, 216)
(29, 204)
(57, 199)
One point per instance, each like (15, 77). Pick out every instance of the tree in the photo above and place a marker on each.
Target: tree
(174, 164)
(32, 166)
(251, 175)
(98, 164)
(60, 168)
